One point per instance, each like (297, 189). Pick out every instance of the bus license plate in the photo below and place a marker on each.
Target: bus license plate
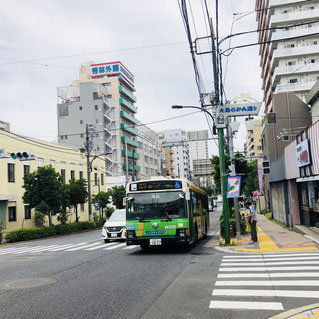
(155, 242)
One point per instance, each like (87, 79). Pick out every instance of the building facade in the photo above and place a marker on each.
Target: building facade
(253, 146)
(150, 155)
(103, 98)
(290, 64)
(198, 146)
(14, 213)
(178, 141)
(202, 173)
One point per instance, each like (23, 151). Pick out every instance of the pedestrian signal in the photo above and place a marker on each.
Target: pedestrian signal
(266, 167)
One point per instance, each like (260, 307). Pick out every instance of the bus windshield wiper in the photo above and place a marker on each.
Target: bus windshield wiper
(166, 216)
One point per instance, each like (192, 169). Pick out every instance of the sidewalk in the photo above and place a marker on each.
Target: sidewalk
(273, 238)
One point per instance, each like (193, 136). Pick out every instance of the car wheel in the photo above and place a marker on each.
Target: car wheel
(106, 240)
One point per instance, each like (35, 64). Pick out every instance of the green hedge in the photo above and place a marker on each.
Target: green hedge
(268, 215)
(47, 231)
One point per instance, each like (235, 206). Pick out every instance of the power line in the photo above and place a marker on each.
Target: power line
(93, 53)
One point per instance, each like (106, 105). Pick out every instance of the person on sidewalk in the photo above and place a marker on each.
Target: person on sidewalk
(252, 222)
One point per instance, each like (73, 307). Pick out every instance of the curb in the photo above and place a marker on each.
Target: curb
(294, 312)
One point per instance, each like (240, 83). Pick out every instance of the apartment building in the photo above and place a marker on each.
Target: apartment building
(104, 99)
(178, 141)
(291, 63)
(253, 144)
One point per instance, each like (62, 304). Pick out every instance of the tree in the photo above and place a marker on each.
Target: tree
(103, 199)
(78, 194)
(43, 189)
(251, 182)
(118, 193)
(208, 190)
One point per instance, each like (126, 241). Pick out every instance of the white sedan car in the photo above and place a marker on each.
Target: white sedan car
(114, 227)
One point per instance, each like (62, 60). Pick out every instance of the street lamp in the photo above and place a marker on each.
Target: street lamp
(222, 168)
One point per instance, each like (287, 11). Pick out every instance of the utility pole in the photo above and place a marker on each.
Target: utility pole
(88, 151)
(216, 101)
(233, 173)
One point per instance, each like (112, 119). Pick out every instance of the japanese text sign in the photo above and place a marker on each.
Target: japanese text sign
(233, 186)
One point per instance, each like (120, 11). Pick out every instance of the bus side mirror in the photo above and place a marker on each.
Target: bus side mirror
(124, 201)
(187, 196)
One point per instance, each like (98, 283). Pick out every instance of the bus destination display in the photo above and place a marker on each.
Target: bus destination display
(155, 185)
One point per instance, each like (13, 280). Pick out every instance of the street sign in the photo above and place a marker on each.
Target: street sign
(233, 186)
(232, 110)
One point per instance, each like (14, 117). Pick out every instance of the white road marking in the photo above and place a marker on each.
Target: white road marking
(255, 269)
(12, 250)
(247, 283)
(252, 305)
(37, 249)
(85, 246)
(273, 255)
(307, 262)
(266, 293)
(70, 246)
(101, 245)
(271, 275)
(132, 247)
(270, 259)
(115, 246)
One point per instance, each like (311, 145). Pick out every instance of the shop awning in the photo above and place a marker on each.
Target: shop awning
(308, 179)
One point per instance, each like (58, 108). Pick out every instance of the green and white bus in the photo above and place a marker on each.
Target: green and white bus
(165, 211)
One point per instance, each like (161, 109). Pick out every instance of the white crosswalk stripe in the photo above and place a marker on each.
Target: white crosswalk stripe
(261, 277)
(84, 246)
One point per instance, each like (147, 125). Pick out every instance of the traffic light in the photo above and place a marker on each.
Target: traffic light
(23, 156)
(266, 167)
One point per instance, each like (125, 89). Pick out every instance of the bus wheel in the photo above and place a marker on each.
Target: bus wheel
(144, 246)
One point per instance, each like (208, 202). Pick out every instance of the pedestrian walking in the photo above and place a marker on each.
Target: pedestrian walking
(252, 221)
(247, 217)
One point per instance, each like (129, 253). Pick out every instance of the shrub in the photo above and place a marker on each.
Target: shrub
(2, 228)
(264, 211)
(63, 217)
(317, 224)
(232, 221)
(46, 231)
(268, 215)
(39, 219)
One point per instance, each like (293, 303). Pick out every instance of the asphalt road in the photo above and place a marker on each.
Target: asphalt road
(54, 278)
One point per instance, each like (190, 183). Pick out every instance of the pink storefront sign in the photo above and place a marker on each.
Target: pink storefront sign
(260, 176)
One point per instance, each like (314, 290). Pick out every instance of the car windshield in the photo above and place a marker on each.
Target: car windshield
(118, 215)
(156, 205)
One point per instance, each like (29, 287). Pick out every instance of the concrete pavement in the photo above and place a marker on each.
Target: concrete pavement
(272, 238)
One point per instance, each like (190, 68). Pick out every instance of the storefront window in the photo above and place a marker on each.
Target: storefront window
(304, 194)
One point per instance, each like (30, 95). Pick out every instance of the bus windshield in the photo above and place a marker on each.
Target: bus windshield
(156, 205)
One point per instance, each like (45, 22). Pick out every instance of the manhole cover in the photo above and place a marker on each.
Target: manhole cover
(27, 283)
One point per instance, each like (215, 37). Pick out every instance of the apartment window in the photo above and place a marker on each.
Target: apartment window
(26, 169)
(27, 212)
(80, 108)
(315, 42)
(81, 175)
(109, 96)
(146, 159)
(313, 60)
(62, 137)
(107, 84)
(72, 175)
(65, 137)
(96, 121)
(291, 45)
(98, 148)
(63, 175)
(95, 179)
(10, 173)
(96, 107)
(12, 214)
(293, 80)
(82, 135)
(81, 121)
(82, 207)
(292, 63)
(102, 179)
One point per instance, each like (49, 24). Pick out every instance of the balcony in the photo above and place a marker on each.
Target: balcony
(293, 17)
(286, 34)
(129, 141)
(127, 83)
(292, 53)
(130, 154)
(295, 69)
(295, 87)
(127, 93)
(128, 117)
(130, 167)
(128, 105)
(275, 3)
(128, 128)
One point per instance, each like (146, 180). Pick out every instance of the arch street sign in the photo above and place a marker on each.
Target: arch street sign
(234, 110)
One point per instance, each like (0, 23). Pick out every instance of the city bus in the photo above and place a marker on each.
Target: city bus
(165, 211)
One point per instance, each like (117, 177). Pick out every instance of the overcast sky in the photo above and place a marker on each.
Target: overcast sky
(58, 36)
